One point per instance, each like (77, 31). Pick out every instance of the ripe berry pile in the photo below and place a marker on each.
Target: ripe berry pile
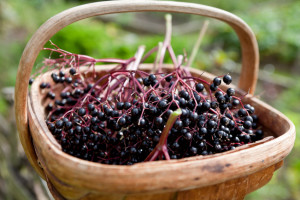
(123, 123)
(126, 115)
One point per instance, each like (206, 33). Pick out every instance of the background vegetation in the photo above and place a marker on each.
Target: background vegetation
(275, 24)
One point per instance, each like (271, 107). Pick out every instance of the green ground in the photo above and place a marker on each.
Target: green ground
(275, 24)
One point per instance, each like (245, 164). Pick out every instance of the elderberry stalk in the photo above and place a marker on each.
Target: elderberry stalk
(161, 148)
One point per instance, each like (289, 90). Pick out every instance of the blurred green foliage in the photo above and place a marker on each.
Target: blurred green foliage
(111, 40)
(18, 21)
(275, 24)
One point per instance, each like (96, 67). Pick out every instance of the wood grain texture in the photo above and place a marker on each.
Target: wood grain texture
(250, 57)
(78, 179)
(235, 189)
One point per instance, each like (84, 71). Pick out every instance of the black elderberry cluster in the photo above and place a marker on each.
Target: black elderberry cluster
(123, 131)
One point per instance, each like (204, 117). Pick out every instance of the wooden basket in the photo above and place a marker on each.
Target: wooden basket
(229, 175)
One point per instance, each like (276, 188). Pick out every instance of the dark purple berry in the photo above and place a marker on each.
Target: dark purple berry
(217, 81)
(59, 124)
(127, 105)
(218, 93)
(193, 150)
(205, 106)
(43, 85)
(188, 136)
(227, 79)
(169, 78)
(72, 71)
(199, 87)
(224, 121)
(221, 99)
(203, 131)
(235, 102)
(213, 87)
(184, 94)
(69, 80)
(247, 124)
(152, 77)
(91, 107)
(158, 121)
(31, 81)
(242, 112)
(230, 92)
(178, 124)
(81, 112)
(120, 105)
(146, 81)
(122, 121)
(162, 104)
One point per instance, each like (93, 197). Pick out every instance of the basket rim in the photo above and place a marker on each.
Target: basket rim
(211, 165)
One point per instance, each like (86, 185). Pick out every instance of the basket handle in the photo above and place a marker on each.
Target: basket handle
(250, 57)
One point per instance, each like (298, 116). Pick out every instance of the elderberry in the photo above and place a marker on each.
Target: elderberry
(199, 87)
(217, 81)
(169, 78)
(227, 79)
(81, 111)
(31, 81)
(230, 92)
(72, 71)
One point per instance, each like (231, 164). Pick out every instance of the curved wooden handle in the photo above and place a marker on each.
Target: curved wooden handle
(250, 57)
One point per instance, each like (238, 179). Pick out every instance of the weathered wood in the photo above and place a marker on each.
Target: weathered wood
(189, 178)
(233, 189)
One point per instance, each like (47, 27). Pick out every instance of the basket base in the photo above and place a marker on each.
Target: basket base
(235, 189)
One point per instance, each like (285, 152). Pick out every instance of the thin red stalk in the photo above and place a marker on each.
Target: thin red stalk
(172, 55)
(161, 147)
(166, 42)
(149, 53)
